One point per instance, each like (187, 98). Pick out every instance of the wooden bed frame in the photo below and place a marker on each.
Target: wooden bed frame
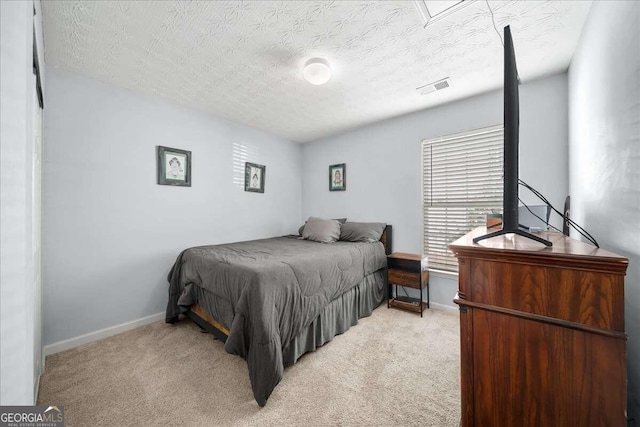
(201, 318)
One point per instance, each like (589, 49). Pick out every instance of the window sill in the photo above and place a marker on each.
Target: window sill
(451, 275)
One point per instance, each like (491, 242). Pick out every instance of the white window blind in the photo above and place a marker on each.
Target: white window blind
(462, 182)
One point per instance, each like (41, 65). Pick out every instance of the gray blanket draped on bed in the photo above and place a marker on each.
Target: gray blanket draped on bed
(276, 288)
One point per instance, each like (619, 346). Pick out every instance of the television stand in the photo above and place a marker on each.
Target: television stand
(516, 231)
(542, 333)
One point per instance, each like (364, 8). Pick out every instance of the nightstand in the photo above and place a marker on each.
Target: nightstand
(408, 270)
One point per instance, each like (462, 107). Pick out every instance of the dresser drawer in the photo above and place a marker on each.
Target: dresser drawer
(404, 278)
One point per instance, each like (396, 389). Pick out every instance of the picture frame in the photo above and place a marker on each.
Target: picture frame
(173, 166)
(254, 177)
(338, 177)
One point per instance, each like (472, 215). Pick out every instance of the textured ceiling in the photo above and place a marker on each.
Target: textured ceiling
(243, 60)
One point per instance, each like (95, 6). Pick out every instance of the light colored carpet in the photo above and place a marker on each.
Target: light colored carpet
(393, 368)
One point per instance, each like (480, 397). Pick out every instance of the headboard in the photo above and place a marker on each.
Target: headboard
(387, 239)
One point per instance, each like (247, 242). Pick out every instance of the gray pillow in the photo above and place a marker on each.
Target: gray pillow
(321, 230)
(340, 220)
(361, 231)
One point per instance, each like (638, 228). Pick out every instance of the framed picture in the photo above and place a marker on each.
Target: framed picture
(338, 177)
(254, 177)
(174, 166)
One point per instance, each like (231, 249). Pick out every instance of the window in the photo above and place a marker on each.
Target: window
(462, 179)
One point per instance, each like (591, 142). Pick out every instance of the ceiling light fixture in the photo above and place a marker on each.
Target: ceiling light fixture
(317, 71)
(439, 9)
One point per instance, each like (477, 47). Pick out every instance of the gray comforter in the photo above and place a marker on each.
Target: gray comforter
(276, 288)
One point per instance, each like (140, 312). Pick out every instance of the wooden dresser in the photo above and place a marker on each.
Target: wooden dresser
(541, 332)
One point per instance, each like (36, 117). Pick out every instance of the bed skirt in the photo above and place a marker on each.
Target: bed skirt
(337, 317)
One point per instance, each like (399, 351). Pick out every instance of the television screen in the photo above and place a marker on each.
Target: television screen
(511, 114)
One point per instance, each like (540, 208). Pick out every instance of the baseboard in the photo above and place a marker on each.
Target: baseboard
(449, 309)
(59, 346)
(36, 389)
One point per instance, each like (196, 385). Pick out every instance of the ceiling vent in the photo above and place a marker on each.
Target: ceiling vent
(435, 86)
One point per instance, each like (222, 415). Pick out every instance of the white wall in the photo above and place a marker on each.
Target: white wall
(17, 288)
(384, 162)
(604, 151)
(111, 233)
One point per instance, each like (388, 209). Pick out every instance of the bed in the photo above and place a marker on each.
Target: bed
(272, 300)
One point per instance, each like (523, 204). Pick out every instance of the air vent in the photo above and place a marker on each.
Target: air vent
(432, 87)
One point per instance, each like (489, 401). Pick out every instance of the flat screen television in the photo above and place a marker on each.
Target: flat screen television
(510, 222)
